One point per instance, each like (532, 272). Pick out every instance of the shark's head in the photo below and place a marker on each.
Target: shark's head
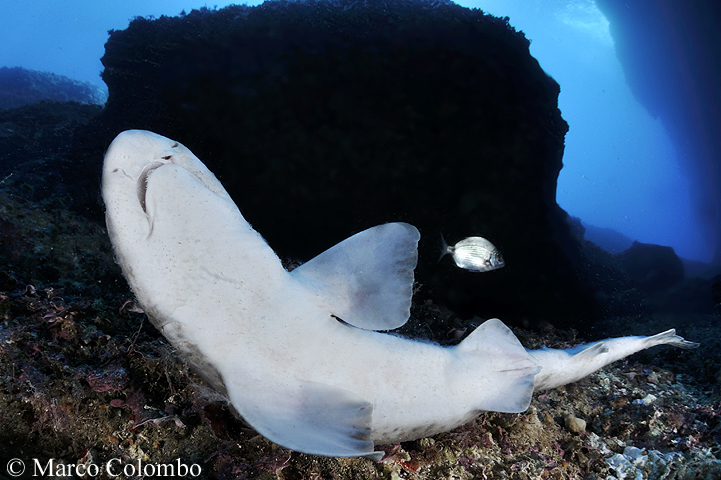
(135, 154)
(154, 189)
(133, 151)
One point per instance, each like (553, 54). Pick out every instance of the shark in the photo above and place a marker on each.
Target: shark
(304, 356)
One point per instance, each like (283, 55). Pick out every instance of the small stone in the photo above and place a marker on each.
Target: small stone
(574, 424)
(647, 400)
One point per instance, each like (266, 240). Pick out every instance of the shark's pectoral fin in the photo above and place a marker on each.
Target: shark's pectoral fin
(310, 417)
(367, 279)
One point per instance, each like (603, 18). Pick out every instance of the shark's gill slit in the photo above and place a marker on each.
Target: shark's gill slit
(340, 320)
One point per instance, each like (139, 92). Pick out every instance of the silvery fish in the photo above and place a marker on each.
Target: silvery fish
(474, 253)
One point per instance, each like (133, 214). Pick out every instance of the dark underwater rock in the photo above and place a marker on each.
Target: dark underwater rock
(607, 238)
(19, 86)
(35, 144)
(716, 290)
(325, 118)
(716, 293)
(600, 272)
(652, 267)
(42, 242)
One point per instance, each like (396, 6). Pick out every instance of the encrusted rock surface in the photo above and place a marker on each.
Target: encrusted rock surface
(88, 381)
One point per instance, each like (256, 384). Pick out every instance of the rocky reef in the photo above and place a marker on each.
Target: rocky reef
(42, 241)
(651, 267)
(433, 114)
(325, 118)
(20, 86)
(89, 382)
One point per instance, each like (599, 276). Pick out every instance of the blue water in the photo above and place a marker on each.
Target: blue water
(621, 171)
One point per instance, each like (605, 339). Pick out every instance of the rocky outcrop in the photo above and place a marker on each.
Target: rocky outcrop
(42, 243)
(652, 268)
(324, 118)
(19, 86)
(35, 140)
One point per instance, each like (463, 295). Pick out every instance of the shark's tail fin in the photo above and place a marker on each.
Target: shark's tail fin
(496, 369)
(669, 337)
(560, 367)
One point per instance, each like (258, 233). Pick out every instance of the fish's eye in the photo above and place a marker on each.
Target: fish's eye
(167, 157)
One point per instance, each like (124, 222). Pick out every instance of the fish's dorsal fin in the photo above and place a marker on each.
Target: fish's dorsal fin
(308, 417)
(367, 279)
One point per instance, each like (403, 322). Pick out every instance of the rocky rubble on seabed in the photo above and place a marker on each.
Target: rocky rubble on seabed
(88, 380)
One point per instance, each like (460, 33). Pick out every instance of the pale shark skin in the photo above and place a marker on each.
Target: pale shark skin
(271, 341)
(560, 367)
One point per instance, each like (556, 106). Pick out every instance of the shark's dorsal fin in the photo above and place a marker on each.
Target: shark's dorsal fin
(508, 368)
(367, 280)
(590, 351)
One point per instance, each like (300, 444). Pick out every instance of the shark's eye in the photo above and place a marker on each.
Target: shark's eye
(167, 157)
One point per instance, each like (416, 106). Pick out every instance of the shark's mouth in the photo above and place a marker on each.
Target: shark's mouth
(143, 180)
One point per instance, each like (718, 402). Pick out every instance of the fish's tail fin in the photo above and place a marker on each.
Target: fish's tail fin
(494, 366)
(669, 337)
(444, 247)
